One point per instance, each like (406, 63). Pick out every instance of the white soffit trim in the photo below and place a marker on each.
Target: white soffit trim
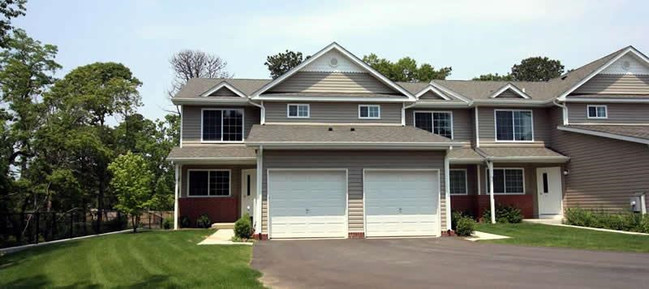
(222, 85)
(513, 88)
(344, 52)
(605, 134)
(608, 100)
(210, 100)
(629, 49)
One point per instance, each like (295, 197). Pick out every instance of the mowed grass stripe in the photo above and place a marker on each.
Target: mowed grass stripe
(144, 260)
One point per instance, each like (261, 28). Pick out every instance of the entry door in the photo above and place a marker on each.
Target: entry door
(248, 190)
(550, 191)
(401, 203)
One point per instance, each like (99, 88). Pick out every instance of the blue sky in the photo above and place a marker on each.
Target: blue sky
(474, 37)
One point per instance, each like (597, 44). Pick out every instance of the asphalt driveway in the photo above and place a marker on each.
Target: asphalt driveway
(441, 263)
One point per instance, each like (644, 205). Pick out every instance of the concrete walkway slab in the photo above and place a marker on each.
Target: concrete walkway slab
(481, 236)
(222, 237)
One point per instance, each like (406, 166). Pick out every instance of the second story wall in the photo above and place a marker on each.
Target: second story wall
(191, 121)
(487, 129)
(332, 112)
(616, 113)
(462, 121)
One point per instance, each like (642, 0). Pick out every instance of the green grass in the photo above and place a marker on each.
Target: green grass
(555, 236)
(155, 259)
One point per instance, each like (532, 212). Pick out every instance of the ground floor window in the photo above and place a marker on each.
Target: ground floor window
(208, 183)
(507, 181)
(458, 182)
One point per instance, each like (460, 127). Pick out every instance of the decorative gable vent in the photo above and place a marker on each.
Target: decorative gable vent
(627, 64)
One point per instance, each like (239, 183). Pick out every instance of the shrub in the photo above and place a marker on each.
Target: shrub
(185, 222)
(167, 223)
(505, 214)
(465, 226)
(203, 221)
(243, 227)
(625, 221)
(118, 223)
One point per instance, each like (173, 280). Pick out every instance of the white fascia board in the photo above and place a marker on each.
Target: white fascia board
(222, 85)
(434, 90)
(346, 53)
(529, 159)
(342, 145)
(209, 100)
(330, 99)
(441, 104)
(514, 102)
(605, 134)
(630, 49)
(204, 160)
(607, 100)
(512, 87)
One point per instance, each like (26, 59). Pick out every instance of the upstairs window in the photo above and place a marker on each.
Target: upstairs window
(369, 111)
(298, 111)
(514, 125)
(222, 125)
(437, 122)
(597, 111)
(205, 183)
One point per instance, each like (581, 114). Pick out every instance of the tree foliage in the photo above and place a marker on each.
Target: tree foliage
(187, 64)
(406, 69)
(9, 9)
(494, 77)
(282, 62)
(537, 69)
(131, 180)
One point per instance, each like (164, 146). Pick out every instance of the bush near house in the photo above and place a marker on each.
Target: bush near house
(203, 221)
(185, 222)
(243, 227)
(624, 221)
(167, 223)
(465, 226)
(505, 214)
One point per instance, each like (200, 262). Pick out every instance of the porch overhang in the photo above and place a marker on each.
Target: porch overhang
(521, 155)
(217, 154)
(630, 133)
(465, 156)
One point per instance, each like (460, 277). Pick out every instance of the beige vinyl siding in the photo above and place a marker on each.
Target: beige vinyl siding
(192, 121)
(617, 113)
(615, 84)
(223, 92)
(354, 162)
(430, 95)
(333, 112)
(509, 94)
(332, 82)
(487, 126)
(603, 173)
(462, 122)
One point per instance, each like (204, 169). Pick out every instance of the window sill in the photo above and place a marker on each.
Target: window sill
(200, 197)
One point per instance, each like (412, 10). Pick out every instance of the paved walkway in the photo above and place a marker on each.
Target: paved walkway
(442, 263)
(222, 237)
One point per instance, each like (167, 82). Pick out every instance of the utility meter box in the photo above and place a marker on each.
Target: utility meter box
(638, 203)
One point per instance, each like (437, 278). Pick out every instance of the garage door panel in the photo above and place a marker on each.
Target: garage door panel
(307, 204)
(401, 203)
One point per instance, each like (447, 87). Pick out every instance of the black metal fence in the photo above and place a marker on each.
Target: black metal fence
(33, 228)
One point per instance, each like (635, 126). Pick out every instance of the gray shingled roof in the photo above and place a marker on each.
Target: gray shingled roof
(465, 155)
(211, 152)
(518, 153)
(333, 134)
(197, 86)
(636, 131)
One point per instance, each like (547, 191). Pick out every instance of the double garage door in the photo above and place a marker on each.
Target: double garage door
(313, 203)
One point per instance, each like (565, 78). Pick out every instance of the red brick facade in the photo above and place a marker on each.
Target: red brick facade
(220, 210)
(476, 205)
(356, 235)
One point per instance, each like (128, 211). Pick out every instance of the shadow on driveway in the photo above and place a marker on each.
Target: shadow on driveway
(441, 263)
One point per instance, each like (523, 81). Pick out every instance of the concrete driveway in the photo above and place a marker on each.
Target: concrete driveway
(441, 263)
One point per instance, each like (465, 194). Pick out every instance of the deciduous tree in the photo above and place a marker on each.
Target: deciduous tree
(282, 62)
(131, 180)
(188, 64)
(537, 69)
(406, 69)
(9, 9)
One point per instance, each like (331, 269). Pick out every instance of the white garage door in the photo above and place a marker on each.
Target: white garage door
(307, 204)
(401, 203)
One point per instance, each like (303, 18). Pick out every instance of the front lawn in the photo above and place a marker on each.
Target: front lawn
(155, 259)
(555, 236)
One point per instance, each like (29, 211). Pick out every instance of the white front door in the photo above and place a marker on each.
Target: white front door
(307, 203)
(550, 191)
(401, 203)
(248, 191)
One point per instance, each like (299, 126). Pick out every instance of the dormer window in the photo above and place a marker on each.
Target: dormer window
(366, 111)
(597, 111)
(298, 111)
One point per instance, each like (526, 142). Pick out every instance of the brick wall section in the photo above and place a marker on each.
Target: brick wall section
(356, 235)
(218, 209)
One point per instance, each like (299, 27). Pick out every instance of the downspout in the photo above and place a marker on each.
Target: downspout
(565, 111)
(180, 139)
(477, 128)
(262, 113)
(176, 193)
(492, 201)
(259, 198)
(403, 112)
(447, 189)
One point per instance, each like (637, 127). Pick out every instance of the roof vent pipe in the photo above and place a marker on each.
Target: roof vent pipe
(331, 129)
(523, 89)
(352, 129)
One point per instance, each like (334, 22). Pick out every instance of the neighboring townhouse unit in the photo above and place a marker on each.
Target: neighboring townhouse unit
(333, 148)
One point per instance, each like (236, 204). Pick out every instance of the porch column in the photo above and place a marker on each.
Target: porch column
(259, 198)
(176, 193)
(447, 189)
(492, 205)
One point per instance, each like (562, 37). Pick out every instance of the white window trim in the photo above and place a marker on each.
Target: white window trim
(414, 119)
(512, 111)
(596, 106)
(466, 183)
(243, 126)
(505, 184)
(378, 106)
(208, 183)
(288, 110)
